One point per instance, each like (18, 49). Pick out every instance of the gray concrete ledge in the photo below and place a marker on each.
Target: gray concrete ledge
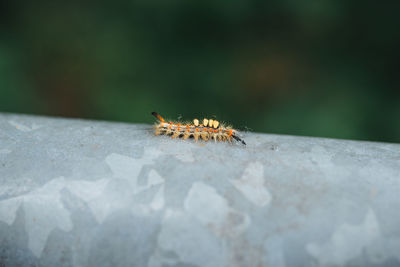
(89, 193)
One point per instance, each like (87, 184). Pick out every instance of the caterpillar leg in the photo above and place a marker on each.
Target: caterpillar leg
(186, 136)
(196, 136)
(204, 136)
(175, 135)
(157, 132)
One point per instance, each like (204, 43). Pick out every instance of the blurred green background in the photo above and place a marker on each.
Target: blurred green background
(317, 68)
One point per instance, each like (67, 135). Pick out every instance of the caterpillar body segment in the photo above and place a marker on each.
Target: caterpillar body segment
(209, 129)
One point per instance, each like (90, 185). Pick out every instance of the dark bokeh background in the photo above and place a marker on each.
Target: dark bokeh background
(319, 68)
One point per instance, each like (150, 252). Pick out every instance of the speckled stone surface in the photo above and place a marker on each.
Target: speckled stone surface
(90, 193)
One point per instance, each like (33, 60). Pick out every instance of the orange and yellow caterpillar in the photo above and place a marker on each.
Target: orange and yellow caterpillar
(207, 130)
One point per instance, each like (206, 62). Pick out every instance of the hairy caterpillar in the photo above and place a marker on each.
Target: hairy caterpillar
(207, 130)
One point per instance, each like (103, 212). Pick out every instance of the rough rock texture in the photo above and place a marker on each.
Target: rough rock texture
(89, 193)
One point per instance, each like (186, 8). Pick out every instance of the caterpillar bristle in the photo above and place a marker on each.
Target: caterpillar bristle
(210, 129)
(155, 114)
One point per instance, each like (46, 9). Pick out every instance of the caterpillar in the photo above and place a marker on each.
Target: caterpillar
(207, 130)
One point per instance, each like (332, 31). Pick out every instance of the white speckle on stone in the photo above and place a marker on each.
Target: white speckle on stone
(24, 128)
(386, 247)
(177, 234)
(44, 211)
(158, 201)
(185, 155)
(322, 157)
(87, 190)
(92, 193)
(8, 209)
(128, 168)
(4, 151)
(35, 126)
(53, 185)
(151, 153)
(204, 203)
(251, 185)
(182, 152)
(172, 214)
(273, 253)
(347, 242)
(154, 178)
(124, 167)
(17, 187)
(42, 215)
(212, 210)
(100, 204)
